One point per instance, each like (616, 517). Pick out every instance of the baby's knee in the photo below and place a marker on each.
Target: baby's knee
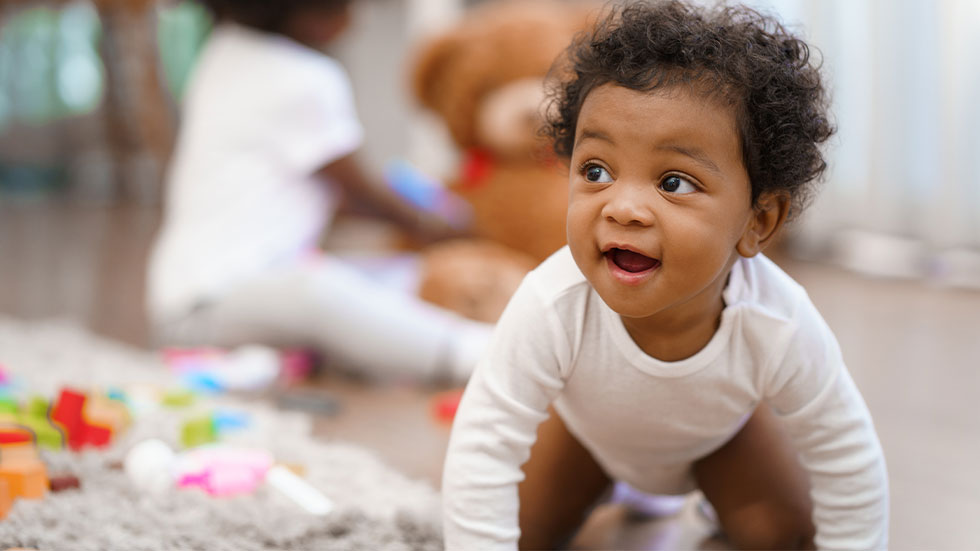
(770, 527)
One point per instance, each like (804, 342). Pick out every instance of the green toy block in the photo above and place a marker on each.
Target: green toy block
(8, 404)
(48, 436)
(198, 431)
(178, 398)
(37, 407)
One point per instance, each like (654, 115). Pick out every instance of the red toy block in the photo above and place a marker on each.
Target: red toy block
(75, 412)
(67, 412)
(14, 435)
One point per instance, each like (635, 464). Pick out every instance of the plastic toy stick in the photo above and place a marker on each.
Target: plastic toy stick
(300, 491)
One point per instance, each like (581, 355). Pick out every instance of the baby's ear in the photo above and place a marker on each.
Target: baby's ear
(768, 216)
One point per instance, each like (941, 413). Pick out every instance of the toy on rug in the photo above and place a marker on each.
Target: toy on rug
(485, 79)
(89, 419)
(246, 368)
(22, 474)
(370, 505)
(76, 420)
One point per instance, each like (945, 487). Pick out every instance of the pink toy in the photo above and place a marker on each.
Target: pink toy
(222, 471)
(183, 360)
(297, 365)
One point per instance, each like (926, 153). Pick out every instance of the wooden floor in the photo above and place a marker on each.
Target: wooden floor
(914, 351)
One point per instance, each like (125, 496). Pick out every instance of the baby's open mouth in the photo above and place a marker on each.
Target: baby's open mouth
(631, 261)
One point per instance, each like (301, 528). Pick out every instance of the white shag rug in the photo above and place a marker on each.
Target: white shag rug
(376, 508)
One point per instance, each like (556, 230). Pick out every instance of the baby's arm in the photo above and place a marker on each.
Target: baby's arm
(348, 174)
(830, 425)
(496, 423)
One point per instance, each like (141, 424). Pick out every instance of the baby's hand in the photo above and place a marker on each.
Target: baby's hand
(441, 213)
(452, 220)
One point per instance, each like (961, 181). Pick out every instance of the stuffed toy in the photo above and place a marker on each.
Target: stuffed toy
(485, 79)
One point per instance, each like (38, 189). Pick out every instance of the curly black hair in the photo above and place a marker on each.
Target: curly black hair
(736, 54)
(266, 15)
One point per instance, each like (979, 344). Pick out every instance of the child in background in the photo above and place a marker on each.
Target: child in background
(267, 144)
(675, 355)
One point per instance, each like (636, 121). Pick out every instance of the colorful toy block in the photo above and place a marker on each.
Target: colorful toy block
(8, 405)
(46, 434)
(85, 421)
(23, 471)
(26, 480)
(37, 407)
(104, 412)
(67, 411)
(178, 398)
(6, 500)
(198, 431)
(14, 434)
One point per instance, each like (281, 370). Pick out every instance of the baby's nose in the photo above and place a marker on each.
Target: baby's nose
(628, 206)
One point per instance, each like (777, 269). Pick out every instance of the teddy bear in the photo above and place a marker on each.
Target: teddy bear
(485, 78)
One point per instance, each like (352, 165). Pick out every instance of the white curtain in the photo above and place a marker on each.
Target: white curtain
(903, 191)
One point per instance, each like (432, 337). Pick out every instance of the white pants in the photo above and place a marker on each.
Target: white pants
(360, 321)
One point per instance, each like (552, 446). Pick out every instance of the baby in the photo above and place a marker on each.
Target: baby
(267, 153)
(675, 356)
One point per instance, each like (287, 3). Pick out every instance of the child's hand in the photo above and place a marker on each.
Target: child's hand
(438, 226)
(441, 213)
(406, 197)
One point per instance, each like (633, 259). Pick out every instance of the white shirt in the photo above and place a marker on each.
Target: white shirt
(262, 114)
(645, 420)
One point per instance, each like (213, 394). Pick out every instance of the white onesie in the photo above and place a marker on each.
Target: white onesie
(646, 421)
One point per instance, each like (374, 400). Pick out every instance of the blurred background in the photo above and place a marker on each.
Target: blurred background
(890, 251)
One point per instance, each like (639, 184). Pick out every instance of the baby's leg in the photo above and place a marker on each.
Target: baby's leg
(381, 331)
(758, 488)
(562, 485)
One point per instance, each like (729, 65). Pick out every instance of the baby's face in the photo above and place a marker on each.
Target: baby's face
(658, 199)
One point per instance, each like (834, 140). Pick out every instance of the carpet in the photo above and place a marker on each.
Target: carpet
(375, 506)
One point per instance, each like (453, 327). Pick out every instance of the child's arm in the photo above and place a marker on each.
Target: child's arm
(829, 423)
(346, 172)
(505, 401)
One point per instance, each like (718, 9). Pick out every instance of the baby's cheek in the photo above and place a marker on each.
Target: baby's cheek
(703, 246)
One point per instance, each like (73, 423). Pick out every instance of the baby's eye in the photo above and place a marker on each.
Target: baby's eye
(678, 185)
(597, 174)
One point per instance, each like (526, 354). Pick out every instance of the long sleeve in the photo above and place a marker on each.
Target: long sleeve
(496, 423)
(831, 427)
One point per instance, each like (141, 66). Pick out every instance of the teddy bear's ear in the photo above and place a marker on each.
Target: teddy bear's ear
(433, 58)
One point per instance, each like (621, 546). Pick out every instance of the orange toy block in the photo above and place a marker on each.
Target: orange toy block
(19, 452)
(26, 480)
(103, 412)
(6, 501)
(23, 471)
